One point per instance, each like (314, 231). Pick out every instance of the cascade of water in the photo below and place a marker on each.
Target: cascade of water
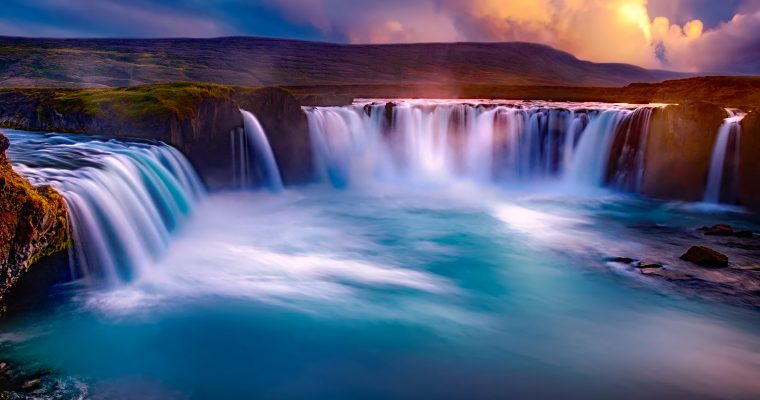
(256, 139)
(628, 152)
(724, 162)
(124, 198)
(592, 153)
(484, 143)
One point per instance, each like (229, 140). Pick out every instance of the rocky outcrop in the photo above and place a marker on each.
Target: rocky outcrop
(749, 161)
(679, 146)
(287, 130)
(195, 118)
(705, 257)
(33, 223)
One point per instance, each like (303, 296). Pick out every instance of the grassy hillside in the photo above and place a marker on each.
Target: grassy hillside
(156, 100)
(258, 62)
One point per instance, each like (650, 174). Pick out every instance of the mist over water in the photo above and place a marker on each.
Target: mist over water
(415, 268)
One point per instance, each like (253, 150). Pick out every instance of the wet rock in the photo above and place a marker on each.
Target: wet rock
(679, 147)
(287, 130)
(665, 274)
(725, 230)
(32, 384)
(718, 230)
(705, 257)
(749, 162)
(622, 260)
(642, 265)
(33, 225)
(744, 234)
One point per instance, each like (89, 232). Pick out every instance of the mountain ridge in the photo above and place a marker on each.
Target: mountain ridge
(255, 61)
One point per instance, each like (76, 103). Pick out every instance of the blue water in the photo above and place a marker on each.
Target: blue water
(405, 292)
(402, 287)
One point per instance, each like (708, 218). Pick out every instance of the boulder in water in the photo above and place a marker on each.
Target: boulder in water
(705, 257)
(622, 260)
(718, 230)
(725, 230)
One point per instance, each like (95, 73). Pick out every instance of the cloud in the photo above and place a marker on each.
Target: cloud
(133, 18)
(687, 35)
(596, 30)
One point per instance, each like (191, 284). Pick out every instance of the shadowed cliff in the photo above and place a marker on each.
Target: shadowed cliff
(194, 118)
(33, 223)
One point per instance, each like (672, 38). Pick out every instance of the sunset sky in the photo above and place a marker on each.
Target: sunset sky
(687, 35)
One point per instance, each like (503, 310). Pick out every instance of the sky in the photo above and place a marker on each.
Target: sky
(684, 35)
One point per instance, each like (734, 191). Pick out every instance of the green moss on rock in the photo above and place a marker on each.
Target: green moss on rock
(33, 223)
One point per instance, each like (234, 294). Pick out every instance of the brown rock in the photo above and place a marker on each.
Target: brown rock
(705, 257)
(33, 224)
(287, 130)
(718, 230)
(679, 146)
(749, 162)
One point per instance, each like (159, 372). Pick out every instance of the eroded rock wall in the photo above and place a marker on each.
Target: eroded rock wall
(749, 161)
(33, 223)
(287, 130)
(679, 146)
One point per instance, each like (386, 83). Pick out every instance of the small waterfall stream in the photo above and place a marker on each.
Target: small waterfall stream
(125, 199)
(253, 139)
(724, 162)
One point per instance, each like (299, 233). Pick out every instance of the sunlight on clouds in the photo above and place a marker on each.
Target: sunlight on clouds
(596, 30)
(609, 30)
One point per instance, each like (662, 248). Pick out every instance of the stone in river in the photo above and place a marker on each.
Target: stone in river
(705, 257)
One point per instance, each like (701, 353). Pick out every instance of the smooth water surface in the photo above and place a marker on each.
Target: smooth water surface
(460, 291)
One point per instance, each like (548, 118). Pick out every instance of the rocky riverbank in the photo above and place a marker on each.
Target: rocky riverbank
(33, 223)
(715, 262)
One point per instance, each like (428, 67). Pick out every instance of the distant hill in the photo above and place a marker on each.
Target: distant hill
(249, 61)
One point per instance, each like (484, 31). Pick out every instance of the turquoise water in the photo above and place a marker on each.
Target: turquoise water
(401, 291)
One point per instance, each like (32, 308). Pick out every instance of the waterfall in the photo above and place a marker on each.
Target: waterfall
(253, 138)
(590, 159)
(483, 142)
(724, 162)
(125, 199)
(628, 152)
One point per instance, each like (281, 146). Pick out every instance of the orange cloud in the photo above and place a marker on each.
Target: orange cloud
(596, 30)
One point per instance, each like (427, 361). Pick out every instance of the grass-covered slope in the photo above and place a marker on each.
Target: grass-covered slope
(247, 61)
(147, 102)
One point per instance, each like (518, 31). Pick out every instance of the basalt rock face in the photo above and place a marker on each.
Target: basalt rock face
(33, 223)
(199, 128)
(749, 161)
(196, 119)
(287, 130)
(679, 146)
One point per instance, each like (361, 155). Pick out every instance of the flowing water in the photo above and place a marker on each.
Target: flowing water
(724, 163)
(433, 271)
(252, 139)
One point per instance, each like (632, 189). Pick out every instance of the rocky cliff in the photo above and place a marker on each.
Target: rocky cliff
(679, 146)
(33, 223)
(194, 118)
(287, 129)
(749, 161)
